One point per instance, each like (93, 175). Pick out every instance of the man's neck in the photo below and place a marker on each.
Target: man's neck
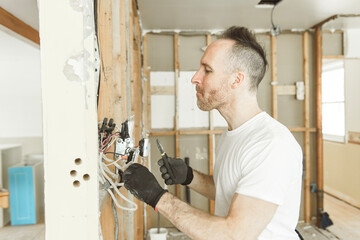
(240, 111)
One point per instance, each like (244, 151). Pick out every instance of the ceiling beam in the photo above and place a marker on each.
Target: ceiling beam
(16, 25)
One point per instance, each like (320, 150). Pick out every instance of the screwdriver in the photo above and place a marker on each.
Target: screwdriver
(165, 159)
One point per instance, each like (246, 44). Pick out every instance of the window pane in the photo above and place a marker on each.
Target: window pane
(333, 85)
(333, 121)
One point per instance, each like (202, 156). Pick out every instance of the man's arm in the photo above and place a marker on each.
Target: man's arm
(203, 184)
(246, 219)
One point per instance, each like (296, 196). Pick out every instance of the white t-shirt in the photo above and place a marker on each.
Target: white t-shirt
(261, 159)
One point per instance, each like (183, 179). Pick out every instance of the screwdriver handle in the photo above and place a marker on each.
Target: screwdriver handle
(167, 165)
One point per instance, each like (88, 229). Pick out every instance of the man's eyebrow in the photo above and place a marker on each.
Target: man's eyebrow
(206, 65)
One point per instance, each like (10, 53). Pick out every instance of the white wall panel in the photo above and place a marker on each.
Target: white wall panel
(190, 116)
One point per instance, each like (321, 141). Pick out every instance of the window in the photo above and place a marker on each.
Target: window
(333, 104)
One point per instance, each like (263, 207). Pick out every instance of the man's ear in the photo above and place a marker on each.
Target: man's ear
(239, 79)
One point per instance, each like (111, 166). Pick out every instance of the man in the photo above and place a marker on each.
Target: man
(257, 174)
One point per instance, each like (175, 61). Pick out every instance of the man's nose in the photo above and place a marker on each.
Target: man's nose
(196, 78)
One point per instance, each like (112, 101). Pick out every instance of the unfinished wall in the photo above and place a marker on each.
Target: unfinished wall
(20, 94)
(290, 70)
(342, 160)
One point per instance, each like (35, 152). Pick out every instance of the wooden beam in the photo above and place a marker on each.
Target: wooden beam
(318, 25)
(176, 119)
(286, 90)
(306, 115)
(334, 57)
(16, 25)
(354, 137)
(147, 90)
(106, 94)
(211, 141)
(319, 138)
(274, 102)
(162, 90)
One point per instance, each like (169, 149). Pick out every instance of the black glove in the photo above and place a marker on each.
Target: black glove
(183, 174)
(142, 184)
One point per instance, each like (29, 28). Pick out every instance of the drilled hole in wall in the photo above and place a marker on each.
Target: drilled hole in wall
(86, 177)
(76, 183)
(78, 161)
(73, 173)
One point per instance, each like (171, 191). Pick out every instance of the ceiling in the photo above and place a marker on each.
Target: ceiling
(220, 14)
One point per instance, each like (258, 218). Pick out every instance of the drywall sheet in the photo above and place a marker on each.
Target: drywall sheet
(289, 69)
(190, 116)
(190, 52)
(162, 106)
(70, 119)
(264, 89)
(332, 44)
(160, 52)
(352, 96)
(20, 89)
(352, 39)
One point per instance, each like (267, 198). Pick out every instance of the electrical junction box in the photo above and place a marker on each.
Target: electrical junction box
(300, 93)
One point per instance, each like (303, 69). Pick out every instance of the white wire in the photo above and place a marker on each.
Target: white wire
(116, 189)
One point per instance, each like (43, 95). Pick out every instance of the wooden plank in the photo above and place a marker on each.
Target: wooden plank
(354, 137)
(162, 90)
(286, 90)
(306, 115)
(147, 90)
(16, 25)
(176, 119)
(166, 133)
(106, 92)
(138, 106)
(302, 129)
(319, 138)
(274, 102)
(318, 25)
(123, 46)
(334, 57)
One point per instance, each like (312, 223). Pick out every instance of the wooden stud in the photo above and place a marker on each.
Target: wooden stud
(211, 141)
(354, 137)
(123, 59)
(162, 90)
(147, 97)
(306, 76)
(147, 112)
(286, 90)
(202, 132)
(274, 104)
(319, 139)
(176, 119)
(334, 57)
(106, 93)
(16, 25)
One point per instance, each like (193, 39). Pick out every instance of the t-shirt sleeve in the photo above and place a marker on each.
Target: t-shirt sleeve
(267, 170)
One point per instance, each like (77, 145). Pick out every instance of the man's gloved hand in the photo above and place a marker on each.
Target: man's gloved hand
(142, 184)
(183, 174)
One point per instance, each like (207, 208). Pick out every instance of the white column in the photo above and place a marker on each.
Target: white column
(70, 119)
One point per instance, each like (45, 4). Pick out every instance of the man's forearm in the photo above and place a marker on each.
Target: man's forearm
(193, 222)
(203, 184)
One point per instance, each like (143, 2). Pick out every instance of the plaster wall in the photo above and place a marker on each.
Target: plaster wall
(20, 94)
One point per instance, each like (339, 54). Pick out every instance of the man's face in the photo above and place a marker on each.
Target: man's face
(212, 80)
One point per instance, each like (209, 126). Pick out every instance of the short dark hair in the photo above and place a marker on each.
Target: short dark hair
(246, 54)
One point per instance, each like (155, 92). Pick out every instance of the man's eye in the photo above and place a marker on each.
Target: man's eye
(207, 70)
